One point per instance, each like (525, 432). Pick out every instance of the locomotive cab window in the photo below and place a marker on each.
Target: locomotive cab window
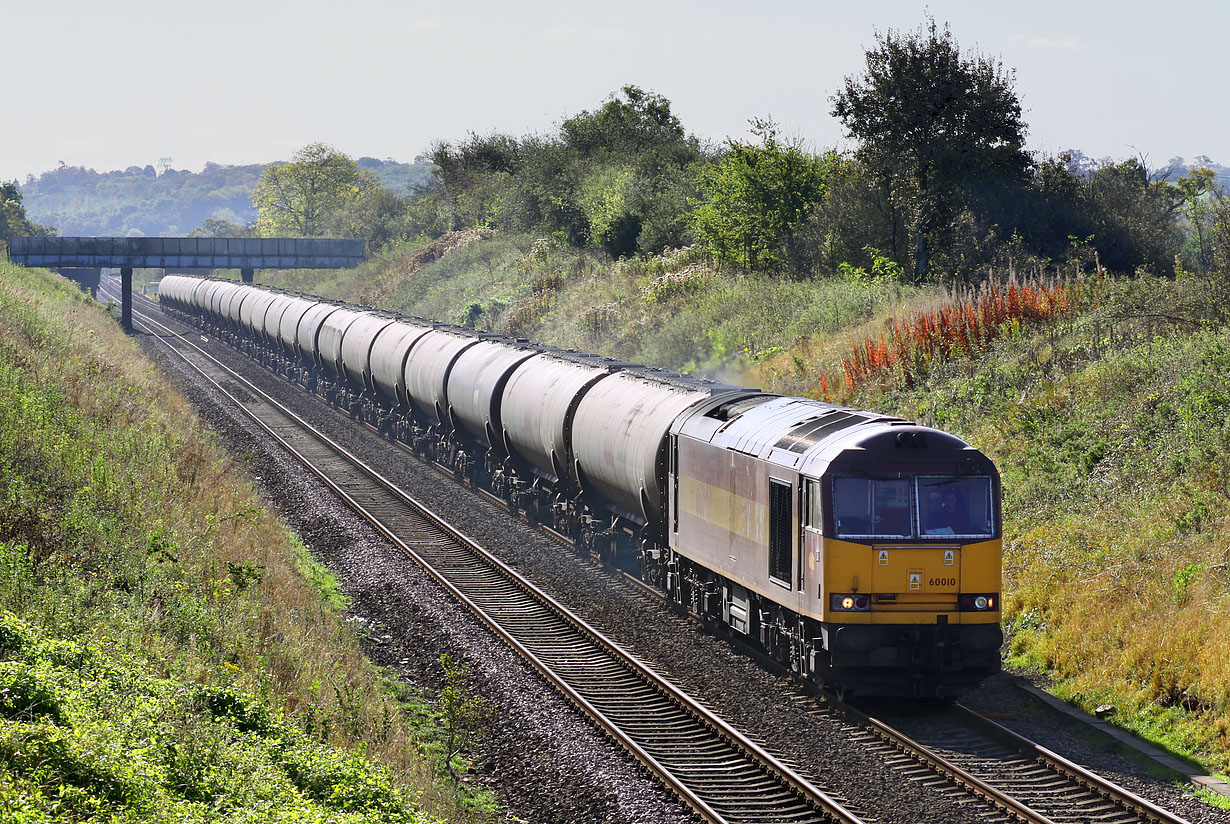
(865, 508)
(960, 507)
(815, 506)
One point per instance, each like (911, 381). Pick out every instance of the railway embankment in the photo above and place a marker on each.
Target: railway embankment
(1110, 421)
(168, 650)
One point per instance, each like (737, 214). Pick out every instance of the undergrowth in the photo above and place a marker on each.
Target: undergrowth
(168, 652)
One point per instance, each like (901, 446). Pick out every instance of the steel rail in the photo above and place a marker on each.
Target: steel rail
(764, 764)
(1083, 784)
(1097, 784)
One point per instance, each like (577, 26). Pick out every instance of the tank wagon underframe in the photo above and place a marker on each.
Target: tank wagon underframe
(829, 536)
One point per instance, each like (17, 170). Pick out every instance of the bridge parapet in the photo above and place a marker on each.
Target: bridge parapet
(127, 253)
(187, 252)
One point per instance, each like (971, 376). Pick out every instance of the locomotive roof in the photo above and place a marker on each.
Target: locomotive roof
(808, 435)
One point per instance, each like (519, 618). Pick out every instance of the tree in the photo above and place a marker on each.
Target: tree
(216, 227)
(933, 125)
(638, 123)
(13, 220)
(1134, 216)
(755, 196)
(1193, 192)
(298, 197)
(1219, 231)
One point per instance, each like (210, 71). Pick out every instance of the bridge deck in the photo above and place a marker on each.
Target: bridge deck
(187, 252)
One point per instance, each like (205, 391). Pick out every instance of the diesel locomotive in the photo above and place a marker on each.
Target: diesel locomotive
(862, 551)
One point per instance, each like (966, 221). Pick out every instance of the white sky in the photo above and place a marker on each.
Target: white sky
(118, 83)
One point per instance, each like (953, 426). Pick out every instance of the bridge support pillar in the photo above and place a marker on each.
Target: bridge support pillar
(246, 275)
(126, 298)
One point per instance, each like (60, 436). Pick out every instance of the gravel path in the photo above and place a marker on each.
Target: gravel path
(545, 761)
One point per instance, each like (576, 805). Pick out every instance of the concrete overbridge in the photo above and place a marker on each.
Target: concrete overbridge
(246, 254)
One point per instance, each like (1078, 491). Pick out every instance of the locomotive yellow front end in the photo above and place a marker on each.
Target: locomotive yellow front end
(906, 545)
(859, 550)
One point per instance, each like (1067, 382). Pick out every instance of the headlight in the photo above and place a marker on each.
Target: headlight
(978, 603)
(849, 602)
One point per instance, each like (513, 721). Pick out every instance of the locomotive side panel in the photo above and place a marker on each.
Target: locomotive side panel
(724, 518)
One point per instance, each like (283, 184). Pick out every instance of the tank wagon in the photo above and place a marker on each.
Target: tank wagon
(862, 551)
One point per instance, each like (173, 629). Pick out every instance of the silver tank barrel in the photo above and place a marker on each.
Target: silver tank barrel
(428, 366)
(476, 387)
(539, 401)
(619, 437)
(388, 358)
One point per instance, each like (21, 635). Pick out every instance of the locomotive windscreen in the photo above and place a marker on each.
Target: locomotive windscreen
(922, 507)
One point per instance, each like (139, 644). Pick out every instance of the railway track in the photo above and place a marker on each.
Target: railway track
(951, 751)
(1021, 779)
(714, 769)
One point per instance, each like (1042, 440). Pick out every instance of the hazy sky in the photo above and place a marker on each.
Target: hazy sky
(119, 83)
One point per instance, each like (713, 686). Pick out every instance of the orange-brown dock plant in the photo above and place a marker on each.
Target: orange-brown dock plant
(962, 328)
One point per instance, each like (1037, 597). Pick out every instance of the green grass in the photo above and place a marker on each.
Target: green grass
(168, 651)
(675, 311)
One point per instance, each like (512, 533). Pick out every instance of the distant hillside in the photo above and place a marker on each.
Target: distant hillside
(142, 201)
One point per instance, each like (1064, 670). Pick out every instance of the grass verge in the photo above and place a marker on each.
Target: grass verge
(168, 652)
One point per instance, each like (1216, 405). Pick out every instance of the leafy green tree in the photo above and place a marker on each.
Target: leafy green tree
(634, 177)
(1193, 192)
(756, 196)
(216, 227)
(13, 220)
(473, 177)
(1133, 215)
(933, 125)
(618, 177)
(297, 198)
(636, 124)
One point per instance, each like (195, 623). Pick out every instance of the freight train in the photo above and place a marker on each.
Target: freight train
(862, 551)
